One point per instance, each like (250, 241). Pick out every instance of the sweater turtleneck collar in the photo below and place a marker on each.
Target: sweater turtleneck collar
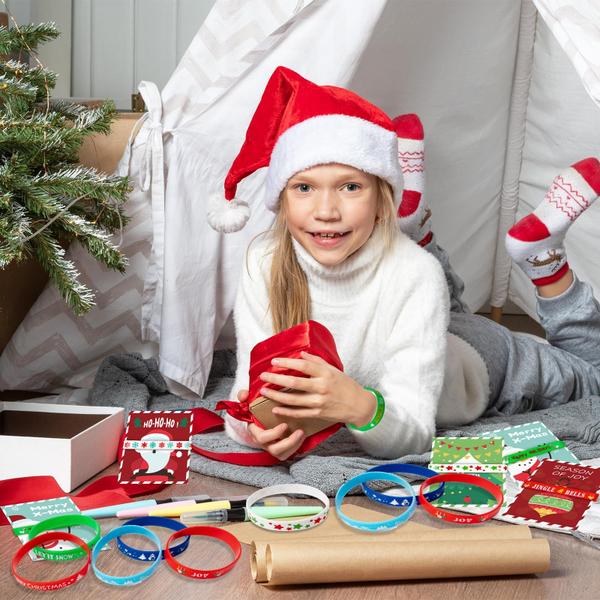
(343, 282)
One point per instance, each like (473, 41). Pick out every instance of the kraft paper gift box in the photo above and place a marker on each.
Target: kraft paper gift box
(71, 443)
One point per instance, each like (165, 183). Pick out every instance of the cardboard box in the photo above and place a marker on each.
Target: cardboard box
(71, 443)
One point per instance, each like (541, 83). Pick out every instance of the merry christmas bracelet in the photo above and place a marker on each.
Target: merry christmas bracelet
(378, 525)
(44, 538)
(379, 411)
(451, 517)
(153, 522)
(129, 579)
(288, 524)
(405, 469)
(213, 532)
(63, 522)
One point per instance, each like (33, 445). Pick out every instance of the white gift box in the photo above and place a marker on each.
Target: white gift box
(71, 443)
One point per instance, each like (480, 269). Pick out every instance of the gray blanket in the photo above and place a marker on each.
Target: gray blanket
(135, 383)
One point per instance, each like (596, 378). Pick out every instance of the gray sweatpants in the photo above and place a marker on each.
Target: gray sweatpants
(526, 374)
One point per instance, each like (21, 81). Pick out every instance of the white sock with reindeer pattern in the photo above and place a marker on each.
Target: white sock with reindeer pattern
(535, 243)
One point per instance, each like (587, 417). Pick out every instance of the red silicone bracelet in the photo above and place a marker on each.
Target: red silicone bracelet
(450, 517)
(213, 532)
(48, 586)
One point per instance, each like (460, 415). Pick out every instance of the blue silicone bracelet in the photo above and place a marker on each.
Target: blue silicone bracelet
(144, 555)
(129, 579)
(405, 469)
(378, 525)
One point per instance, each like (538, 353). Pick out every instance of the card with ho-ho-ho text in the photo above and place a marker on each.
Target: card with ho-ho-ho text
(157, 447)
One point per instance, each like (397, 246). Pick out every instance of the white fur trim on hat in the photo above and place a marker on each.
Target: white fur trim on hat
(227, 216)
(333, 139)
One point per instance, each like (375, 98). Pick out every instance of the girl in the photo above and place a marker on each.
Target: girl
(413, 355)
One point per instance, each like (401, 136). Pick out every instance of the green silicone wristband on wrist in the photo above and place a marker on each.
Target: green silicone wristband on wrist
(62, 522)
(378, 412)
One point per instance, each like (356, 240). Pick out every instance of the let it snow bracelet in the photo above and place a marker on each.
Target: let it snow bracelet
(64, 522)
(153, 522)
(451, 517)
(378, 525)
(405, 469)
(288, 524)
(58, 584)
(214, 532)
(378, 412)
(128, 579)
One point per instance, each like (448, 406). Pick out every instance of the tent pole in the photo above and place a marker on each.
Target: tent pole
(496, 313)
(509, 196)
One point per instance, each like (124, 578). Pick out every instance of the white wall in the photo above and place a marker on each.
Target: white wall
(118, 43)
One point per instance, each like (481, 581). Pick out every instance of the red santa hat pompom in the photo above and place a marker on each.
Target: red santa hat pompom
(297, 125)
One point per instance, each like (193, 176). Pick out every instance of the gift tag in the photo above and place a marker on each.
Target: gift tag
(157, 447)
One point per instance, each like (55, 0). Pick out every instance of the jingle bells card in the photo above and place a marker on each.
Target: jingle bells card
(157, 447)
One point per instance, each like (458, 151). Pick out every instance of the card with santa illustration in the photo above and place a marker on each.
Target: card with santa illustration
(526, 445)
(558, 494)
(157, 447)
(480, 456)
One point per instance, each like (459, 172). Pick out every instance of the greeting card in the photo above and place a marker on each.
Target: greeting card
(480, 456)
(157, 447)
(24, 516)
(525, 446)
(558, 493)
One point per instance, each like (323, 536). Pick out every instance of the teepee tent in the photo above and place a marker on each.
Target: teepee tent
(508, 91)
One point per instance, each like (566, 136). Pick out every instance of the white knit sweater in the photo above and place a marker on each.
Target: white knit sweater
(388, 313)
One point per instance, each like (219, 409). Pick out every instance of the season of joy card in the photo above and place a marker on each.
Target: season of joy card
(475, 456)
(157, 447)
(525, 446)
(558, 493)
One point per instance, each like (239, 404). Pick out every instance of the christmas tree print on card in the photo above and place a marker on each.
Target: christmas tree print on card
(157, 447)
(558, 494)
(480, 456)
(525, 446)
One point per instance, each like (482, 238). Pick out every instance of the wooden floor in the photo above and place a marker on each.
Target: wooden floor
(574, 571)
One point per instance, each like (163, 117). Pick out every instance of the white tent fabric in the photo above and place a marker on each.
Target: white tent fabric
(503, 110)
(576, 26)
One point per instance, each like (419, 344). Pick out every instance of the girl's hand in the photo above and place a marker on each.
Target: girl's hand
(327, 393)
(271, 440)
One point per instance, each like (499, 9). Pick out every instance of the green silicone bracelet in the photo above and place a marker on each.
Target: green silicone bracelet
(63, 522)
(378, 412)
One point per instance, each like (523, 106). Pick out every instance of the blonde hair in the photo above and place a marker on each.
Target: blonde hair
(289, 295)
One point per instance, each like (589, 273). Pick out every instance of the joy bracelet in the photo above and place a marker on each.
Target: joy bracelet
(378, 525)
(213, 532)
(405, 469)
(451, 517)
(129, 579)
(44, 538)
(63, 522)
(144, 555)
(288, 524)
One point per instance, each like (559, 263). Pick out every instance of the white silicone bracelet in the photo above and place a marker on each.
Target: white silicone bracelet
(291, 524)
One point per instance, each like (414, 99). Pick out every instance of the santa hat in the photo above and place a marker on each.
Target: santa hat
(298, 125)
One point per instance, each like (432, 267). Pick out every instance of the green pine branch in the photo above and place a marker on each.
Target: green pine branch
(27, 37)
(46, 198)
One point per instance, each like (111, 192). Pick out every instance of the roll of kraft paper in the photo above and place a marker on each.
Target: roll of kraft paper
(280, 563)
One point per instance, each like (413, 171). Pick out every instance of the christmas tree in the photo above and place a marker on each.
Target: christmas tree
(48, 200)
